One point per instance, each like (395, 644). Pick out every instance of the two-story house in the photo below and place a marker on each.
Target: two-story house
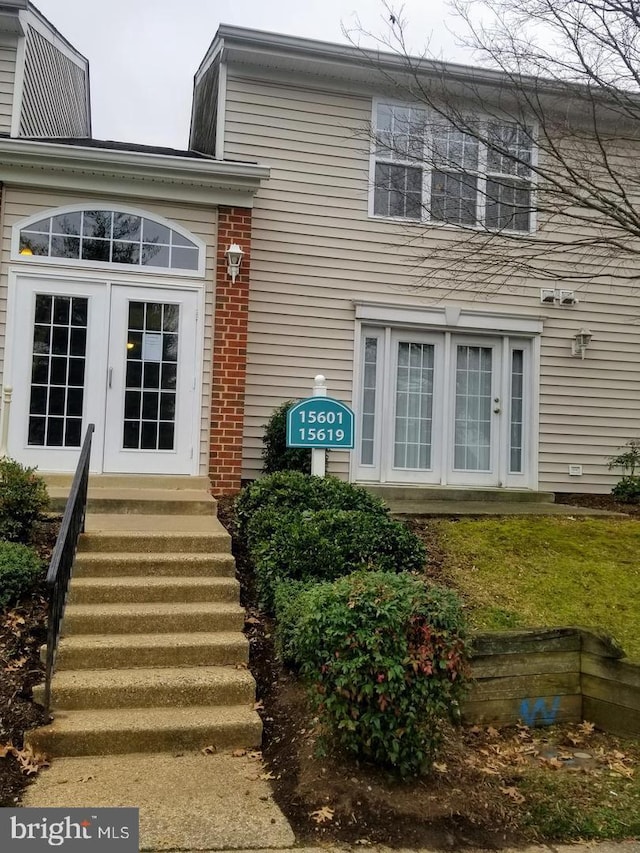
(120, 304)
(453, 383)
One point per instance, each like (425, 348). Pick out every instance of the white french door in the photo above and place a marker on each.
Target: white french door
(445, 409)
(120, 356)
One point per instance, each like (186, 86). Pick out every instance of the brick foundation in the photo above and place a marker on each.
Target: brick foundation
(229, 354)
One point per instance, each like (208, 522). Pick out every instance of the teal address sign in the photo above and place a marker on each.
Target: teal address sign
(320, 422)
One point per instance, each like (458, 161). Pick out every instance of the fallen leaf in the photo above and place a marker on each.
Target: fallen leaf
(258, 706)
(255, 754)
(268, 775)
(587, 728)
(554, 763)
(238, 753)
(494, 733)
(322, 815)
(440, 768)
(17, 664)
(209, 750)
(514, 794)
(7, 749)
(620, 769)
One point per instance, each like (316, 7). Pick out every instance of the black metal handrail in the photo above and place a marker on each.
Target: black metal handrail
(64, 552)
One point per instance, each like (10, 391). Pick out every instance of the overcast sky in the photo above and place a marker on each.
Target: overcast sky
(143, 53)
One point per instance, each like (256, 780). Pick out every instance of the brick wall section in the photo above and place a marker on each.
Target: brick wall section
(229, 354)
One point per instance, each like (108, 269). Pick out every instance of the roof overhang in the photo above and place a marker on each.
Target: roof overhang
(366, 71)
(130, 173)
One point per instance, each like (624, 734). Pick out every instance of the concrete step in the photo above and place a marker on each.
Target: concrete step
(149, 688)
(122, 651)
(89, 564)
(139, 501)
(152, 589)
(102, 732)
(151, 618)
(166, 482)
(416, 493)
(157, 542)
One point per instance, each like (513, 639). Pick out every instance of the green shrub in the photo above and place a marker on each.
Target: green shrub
(383, 656)
(20, 570)
(627, 490)
(289, 607)
(327, 544)
(292, 490)
(276, 456)
(23, 499)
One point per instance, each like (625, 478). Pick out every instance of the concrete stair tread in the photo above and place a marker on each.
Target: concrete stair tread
(137, 719)
(168, 677)
(97, 564)
(144, 557)
(163, 588)
(140, 494)
(158, 580)
(166, 482)
(159, 608)
(135, 582)
(123, 525)
(127, 730)
(139, 641)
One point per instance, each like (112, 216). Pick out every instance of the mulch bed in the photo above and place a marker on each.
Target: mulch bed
(472, 798)
(22, 632)
(598, 502)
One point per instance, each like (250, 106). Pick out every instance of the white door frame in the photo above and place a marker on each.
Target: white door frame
(17, 371)
(525, 337)
(179, 460)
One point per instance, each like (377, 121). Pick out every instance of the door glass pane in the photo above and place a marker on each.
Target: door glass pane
(58, 355)
(370, 375)
(472, 447)
(152, 353)
(414, 406)
(517, 399)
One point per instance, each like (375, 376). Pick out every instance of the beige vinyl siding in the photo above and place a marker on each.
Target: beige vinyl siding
(20, 203)
(7, 82)
(315, 250)
(55, 99)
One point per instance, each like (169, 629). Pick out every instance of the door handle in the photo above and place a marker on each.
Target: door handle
(110, 376)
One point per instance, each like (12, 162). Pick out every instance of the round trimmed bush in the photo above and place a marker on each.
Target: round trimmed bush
(276, 456)
(20, 571)
(327, 544)
(292, 490)
(383, 656)
(23, 499)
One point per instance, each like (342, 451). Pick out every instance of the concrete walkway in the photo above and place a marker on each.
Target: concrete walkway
(187, 801)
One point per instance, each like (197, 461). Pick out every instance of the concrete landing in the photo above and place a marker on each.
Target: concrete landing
(450, 508)
(187, 802)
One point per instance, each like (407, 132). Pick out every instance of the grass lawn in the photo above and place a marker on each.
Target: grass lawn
(531, 572)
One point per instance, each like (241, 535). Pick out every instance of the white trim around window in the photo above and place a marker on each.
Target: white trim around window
(103, 266)
(479, 173)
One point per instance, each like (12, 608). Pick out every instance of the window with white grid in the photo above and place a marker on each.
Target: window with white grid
(429, 169)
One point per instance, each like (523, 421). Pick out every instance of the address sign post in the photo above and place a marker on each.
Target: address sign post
(321, 423)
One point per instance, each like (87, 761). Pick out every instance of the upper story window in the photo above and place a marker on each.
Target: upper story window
(110, 236)
(428, 169)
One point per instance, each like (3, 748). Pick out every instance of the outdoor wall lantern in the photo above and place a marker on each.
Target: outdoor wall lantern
(234, 258)
(580, 342)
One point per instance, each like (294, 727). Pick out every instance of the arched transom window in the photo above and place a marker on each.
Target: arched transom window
(109, 236)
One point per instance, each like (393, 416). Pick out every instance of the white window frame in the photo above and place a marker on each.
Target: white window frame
(427, 170)
(79, 263)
